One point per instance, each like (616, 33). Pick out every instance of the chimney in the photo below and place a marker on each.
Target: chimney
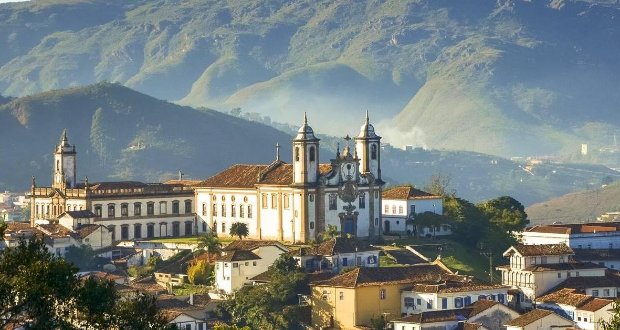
(191, 299)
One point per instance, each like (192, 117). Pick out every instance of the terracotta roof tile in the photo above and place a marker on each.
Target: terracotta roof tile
(405, 257)
(81, 214)
(370, 276)
(529, 317)
(85, 230)
(247, 176)
(576, 228)
(249, 244)
(565, 297)
(407, 192)
(595, 304)
(238, 255)
(542, 249)
(436, 316)
(580, 283)
(339, 245)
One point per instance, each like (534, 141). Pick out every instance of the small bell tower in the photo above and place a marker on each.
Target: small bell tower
(64, 164)
(368, 148)
(305, 155)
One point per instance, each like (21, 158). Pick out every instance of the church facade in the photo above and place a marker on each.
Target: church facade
(295, 202)
(129, 209)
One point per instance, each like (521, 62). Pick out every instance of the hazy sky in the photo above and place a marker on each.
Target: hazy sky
(1, 1)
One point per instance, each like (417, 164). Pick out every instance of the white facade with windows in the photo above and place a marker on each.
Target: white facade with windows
(416, 300)
(400, 206)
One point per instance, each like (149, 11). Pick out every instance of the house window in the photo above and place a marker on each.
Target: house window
(500, 297)
(372, 260)
(412, 209)
(111, 208)
(382, 294)
(150, 208)
(467, 300)
(163, 207)
(150, 230)
(311, 198)
(543, 260)
(188, 206)
(386, 209)
(312, 154)
(373, 151)
(124, 210)
(376, 195)
(362, 201)
(559, 275)
(214, 210)
(249, 211)
(137, 209)
(419, 302)
(223, 227)
(606, 292)
(341, 296)
(409, 302)
(241, 211)
(444, 303)
(188, 228)
(235, 265)
(264, 201)
(223, 210)
(393, 209)
(204, 226)
(274, 201)
(595, 293)
(311, 225)
(458, 302)
(533, 260)
(124, 232)
(285, 201)
(376, 221)
(204, 209)
(98, 210)
(400, 210)
(175, 207)
(233, 210)
(253, 263)
(176, 230)
(333, 202)
(429, 304)
(345, 262)
(137, 230)
(568, 274)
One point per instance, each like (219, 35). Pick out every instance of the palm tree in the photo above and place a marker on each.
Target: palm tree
(239, 229)
(210, 243)
(329, 233)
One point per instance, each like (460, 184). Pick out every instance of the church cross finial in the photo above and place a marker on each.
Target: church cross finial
(367, 118)
(305, 118)
(277, 151)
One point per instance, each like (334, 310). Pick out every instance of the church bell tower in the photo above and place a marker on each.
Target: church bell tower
(368, 148)
(64, 164)
(305, 155)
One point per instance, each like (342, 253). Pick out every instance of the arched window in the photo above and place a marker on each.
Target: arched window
(373, 151)
(312, 154)
(296, 154)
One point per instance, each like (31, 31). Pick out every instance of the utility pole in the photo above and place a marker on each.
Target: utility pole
(490, 256)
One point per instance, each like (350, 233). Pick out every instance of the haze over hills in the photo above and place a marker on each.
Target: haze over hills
(500, 77)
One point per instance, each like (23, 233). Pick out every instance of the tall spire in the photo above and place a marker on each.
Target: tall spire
(305, 118)
(367, 118)
(63, 137)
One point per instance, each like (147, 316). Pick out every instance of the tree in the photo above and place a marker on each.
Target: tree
(83, 257)
(439, 185)
(614, 322)
(430, 220)
(330, 232)
(469, 224)
(141, 313)
(200, 273)
(506, 212)
(210, 243)
(3, 227)
(239, 229)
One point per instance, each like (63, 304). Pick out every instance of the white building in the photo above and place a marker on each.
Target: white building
(235, 269)
(453, 293)
(129, 209)
(337, 253)
(536, 269)
(586, 311)
(597, 235)
(539, 319)
(295, 202)
(402, 204)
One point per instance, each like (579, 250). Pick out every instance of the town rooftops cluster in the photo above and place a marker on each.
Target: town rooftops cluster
(573, 298)
(581, 228)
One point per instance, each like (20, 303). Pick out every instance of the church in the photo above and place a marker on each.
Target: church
(129, 209)
(295, 202)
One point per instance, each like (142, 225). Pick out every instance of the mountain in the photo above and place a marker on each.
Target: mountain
(507, 77)
(580, 206)
(121, 134)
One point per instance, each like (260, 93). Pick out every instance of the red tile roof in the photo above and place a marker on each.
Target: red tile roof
(530, 317)
(371, 276)
(238, 255)
(247, 176)
(576, 228)
(250, 244)
(407, 192)
(542, 249)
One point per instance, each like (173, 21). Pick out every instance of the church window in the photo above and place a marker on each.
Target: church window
(274, 201)
(373, 151)
(47, 209)
(57, 165)
(233, 210)
(124, 210)
(241, 211)
(400, 210)
(223, 198)
(312, 154)
(204, 209)
(285, 201)
(333, 202)
(98, 210)
(311, 198)
(311, 224)
(214, 211)
(112, 230)
(124, 232)
(137, 230)
(386, 209)
(175, 207)
(223, 210)
(163, 208)
(68, 207)
(412, 210)
(376, 221)
(296, 154)
(245, 199)
(137, 209)
(176, 230)
(214, 198)
(376, 195)
(232, 198)
(150, 208)
(150, 230)
(111, 208)
(204, 226)
(188, 228)
(362, 201)
(249, 211)
(223, 227)
(264, 201)
(393, 209)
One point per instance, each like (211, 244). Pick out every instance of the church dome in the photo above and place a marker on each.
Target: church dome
(367, 130)
(305, 132)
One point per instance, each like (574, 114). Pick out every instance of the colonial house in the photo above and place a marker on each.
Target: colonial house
(597, 235)
(607, 286)
(538, 319)
(402, 204)
(337, 253)
(268, 251)
(294, 202)
(483, 314)
(181, 313)
(454, 292)
(353, 298)
(535, 269)
(586, 311)
(129, 209)
(236, 268)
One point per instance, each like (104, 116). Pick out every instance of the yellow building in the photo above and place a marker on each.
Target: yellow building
(352, 299)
